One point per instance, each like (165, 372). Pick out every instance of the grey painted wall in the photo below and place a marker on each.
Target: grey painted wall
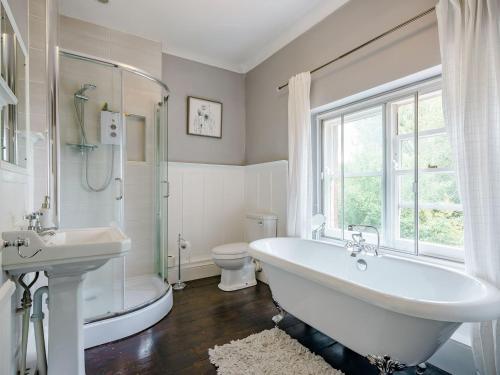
(401, 54)
(184, 78)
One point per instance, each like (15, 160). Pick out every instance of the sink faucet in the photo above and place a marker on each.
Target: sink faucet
(35, 224)
(358, 243)
(34, 221)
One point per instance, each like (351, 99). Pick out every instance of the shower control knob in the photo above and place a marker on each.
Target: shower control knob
(113, 134)
(113, 126)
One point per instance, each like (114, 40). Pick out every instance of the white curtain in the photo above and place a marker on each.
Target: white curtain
(469, 34)
(299, 157)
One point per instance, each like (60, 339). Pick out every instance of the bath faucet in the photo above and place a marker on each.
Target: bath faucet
(358, 243)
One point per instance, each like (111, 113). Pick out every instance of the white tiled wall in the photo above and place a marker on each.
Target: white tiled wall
(38, 97)
(98, 41)
(139, 97)
(207, 204)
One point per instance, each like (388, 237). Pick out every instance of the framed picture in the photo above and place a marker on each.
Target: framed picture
(204, 117)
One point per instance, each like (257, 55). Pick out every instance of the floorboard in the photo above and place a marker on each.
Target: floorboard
(204, 316)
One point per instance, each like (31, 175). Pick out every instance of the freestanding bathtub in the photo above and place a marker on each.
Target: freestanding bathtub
(378, 306)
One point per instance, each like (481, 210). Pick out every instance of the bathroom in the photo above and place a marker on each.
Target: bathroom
(286, 187)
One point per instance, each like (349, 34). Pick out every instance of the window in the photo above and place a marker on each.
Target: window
(387, 162)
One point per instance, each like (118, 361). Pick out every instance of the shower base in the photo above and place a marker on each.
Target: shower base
(147, 301)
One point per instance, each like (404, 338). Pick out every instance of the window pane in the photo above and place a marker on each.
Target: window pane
(441, 227)
(402, 128)
(407, 224)
(406, 193)
(363, 142)
(439, 188)
(430, 111)
(405, 116)
(407, 153)
(363, 201)
(434, 152)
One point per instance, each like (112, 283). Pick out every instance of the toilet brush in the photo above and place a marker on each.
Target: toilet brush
(181, 244)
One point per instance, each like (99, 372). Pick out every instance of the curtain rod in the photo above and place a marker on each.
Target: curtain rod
(401, 25)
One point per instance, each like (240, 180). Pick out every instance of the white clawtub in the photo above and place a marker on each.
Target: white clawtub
(396, 307)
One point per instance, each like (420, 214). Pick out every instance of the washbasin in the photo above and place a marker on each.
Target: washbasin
(65, 256)
(63, 250)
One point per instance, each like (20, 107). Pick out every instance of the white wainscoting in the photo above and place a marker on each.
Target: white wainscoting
(207, 205)
(265, 190)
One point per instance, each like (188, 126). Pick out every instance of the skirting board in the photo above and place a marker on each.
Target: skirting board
(193, 271)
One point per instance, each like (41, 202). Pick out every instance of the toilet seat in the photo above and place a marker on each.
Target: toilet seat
(235, 250)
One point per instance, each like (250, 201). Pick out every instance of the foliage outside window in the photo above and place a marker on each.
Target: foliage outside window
(371, 174)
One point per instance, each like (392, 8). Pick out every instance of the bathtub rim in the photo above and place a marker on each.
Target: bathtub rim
(483, 308)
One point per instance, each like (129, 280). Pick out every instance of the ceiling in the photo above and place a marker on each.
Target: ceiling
(232, 34)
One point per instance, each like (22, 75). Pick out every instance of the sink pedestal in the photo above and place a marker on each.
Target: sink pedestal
(66, 350)
(65, 257)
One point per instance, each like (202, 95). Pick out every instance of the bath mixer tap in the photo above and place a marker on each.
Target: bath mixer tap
(358, 243)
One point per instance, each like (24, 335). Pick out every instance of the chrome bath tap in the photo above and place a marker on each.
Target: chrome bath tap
(358, 243)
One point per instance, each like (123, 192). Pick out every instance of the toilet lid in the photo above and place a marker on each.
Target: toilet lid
(238, 248)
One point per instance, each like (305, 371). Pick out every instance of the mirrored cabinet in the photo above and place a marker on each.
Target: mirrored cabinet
(12, 93)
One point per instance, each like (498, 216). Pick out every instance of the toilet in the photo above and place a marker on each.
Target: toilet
(238, 268)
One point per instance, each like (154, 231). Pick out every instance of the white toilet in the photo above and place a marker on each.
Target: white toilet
(238, 268)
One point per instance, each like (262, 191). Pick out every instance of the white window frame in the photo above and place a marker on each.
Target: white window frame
(389, 203)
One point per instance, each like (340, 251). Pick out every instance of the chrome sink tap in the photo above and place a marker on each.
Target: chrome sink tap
(35, 224)
(358, 243)
(34, 221)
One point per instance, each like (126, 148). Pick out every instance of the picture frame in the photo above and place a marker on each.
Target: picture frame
(204, 117)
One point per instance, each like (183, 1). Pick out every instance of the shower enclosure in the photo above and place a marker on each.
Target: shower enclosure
(112, 170)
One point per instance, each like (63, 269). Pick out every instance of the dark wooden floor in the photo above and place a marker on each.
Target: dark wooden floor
(204, 316)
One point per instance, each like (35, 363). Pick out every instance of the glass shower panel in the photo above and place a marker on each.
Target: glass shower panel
(90, 146)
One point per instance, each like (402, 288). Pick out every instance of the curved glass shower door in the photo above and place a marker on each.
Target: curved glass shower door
(113, 171)
(91, 167)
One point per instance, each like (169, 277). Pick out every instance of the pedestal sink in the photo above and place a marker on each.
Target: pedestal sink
(65, 256)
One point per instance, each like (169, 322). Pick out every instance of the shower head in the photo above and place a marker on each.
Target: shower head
(80, 93)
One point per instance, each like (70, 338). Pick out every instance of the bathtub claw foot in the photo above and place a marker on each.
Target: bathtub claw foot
(385, 364)
(281, 314)
(420, 370)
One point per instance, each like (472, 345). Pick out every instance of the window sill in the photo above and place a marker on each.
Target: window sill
(455, 264)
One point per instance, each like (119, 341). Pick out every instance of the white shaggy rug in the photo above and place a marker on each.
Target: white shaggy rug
(270, 352)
